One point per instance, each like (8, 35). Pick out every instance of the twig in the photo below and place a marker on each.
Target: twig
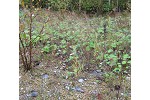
(30, 33)
(24, 58)
(41, 30)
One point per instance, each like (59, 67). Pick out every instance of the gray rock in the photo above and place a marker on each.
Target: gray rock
(78, 89)
(33, 94)
(44, 76)
(81, 80)
(97, 73)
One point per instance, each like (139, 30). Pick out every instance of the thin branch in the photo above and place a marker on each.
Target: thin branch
(24, 58)
(41, 29)
(30, 33)
(24, 64)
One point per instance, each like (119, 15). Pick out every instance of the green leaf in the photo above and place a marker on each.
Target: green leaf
(100, 30)
(63, 41)
(125, 56)
(110, 50)
(97, 81)
(124, 62)
(76, 70)
(105, 56)
(129, 62)
(91, 44)
(119, 66)
(70, 58)
(36, 39)
(24, 36)
(113, 45)
(70, 73)
(88, 48)
(46, 49)
(107, 62)
(112, 56)
(117, 70)
(127, 67)
(64, 51)
(118, 63)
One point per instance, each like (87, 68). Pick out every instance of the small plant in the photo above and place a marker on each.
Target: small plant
(27, 62)
(27, 39)
(73, 47)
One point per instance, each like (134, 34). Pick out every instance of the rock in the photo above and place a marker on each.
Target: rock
(33, 93)
(44, 76)
(128, 78)
(78, 89)
(81, 80)
(122, 94)
(67, 87)
(97, 73)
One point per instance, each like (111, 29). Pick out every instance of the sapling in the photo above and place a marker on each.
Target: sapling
(25, 51)
(27, 61)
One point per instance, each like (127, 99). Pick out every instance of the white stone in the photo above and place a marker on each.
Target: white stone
(81, 80)
(122, 93)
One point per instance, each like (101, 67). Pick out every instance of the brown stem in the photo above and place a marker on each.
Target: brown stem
(41, 30)
(30, 33)
(24, 58)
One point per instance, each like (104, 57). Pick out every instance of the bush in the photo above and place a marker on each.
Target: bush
(90, 6)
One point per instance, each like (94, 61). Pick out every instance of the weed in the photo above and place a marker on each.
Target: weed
(80, 45)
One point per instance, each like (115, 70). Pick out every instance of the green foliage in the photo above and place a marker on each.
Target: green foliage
(90, 46)
(46, 49)
(109, 76)
(90, 6)
(58, 4)
(79, 47)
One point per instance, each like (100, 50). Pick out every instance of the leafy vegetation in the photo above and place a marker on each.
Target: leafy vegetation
(75, 45)
(90, 6)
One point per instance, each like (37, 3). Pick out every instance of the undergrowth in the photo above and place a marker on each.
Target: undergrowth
(81, 44)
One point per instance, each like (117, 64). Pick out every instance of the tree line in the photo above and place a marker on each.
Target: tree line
(89, 6)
